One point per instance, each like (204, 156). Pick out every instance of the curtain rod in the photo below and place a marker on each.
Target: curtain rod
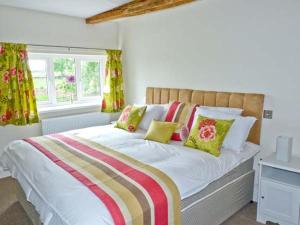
(60, 46)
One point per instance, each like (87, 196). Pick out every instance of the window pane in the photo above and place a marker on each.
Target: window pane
(39, 75)
(90, 78)
(65, 82)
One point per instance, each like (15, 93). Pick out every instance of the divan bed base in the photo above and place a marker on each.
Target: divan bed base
(218, 206)
(212, 209)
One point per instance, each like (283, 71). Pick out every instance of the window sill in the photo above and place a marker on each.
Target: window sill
(63, 110)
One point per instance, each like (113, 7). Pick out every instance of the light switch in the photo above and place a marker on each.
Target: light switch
(268, 114)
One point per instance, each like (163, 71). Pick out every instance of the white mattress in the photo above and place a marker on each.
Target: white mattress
(62, 200)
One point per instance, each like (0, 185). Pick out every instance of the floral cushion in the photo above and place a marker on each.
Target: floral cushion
(130, 118)
(208, 134)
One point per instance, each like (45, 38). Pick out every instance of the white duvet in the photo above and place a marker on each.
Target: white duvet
(62, 200)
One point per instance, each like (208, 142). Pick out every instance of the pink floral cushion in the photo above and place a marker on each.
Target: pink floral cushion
(130, 118)
(208, 134)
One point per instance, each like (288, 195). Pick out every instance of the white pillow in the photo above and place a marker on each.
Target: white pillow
(238, 132)
(235, 111)
(166, 108)
(153, 112)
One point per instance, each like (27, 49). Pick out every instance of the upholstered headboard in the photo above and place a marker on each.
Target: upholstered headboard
(252, 104)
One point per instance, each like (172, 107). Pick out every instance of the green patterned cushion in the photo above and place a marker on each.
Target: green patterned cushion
(131, 117)
(208, 134)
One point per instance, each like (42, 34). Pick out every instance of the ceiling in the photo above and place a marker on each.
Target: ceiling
(77, 8)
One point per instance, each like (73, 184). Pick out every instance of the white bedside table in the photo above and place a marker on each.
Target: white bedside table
(279, 191)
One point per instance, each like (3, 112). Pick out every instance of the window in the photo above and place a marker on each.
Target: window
(61, 79)
(39, 72)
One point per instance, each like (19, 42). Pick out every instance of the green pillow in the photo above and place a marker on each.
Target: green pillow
(131, 117)
(208, 134)
(160, 131)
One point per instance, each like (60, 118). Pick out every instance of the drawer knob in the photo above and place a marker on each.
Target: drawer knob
(262, 197)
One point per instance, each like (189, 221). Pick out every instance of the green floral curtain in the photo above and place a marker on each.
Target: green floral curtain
(113, 95)
(17, 97)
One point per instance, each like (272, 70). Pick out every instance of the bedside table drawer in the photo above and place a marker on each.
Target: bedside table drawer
(280, 201)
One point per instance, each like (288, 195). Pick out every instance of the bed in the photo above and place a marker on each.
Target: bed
(227, 179)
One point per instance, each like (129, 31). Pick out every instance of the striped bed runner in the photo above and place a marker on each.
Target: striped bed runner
(133, 192)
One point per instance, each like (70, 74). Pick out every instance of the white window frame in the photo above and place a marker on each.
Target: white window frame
(48, 57)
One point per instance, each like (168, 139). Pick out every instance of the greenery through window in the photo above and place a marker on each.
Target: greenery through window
(89, 78)
(66, 79)
(64, 71)
(39, 73)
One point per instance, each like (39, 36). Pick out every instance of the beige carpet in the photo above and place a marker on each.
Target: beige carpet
(12, 213)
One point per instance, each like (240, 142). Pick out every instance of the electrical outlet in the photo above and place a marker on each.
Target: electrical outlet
(268, 114)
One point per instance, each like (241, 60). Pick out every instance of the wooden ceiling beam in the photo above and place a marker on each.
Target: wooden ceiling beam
(135, 8)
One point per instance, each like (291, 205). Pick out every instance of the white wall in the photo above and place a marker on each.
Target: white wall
(232, 45)
(26, 26)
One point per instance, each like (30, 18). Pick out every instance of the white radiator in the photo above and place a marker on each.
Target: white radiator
(61, 124)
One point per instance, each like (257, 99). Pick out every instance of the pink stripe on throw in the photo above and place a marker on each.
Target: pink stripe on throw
(109, 202)
(155, 191)
(171, 111)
